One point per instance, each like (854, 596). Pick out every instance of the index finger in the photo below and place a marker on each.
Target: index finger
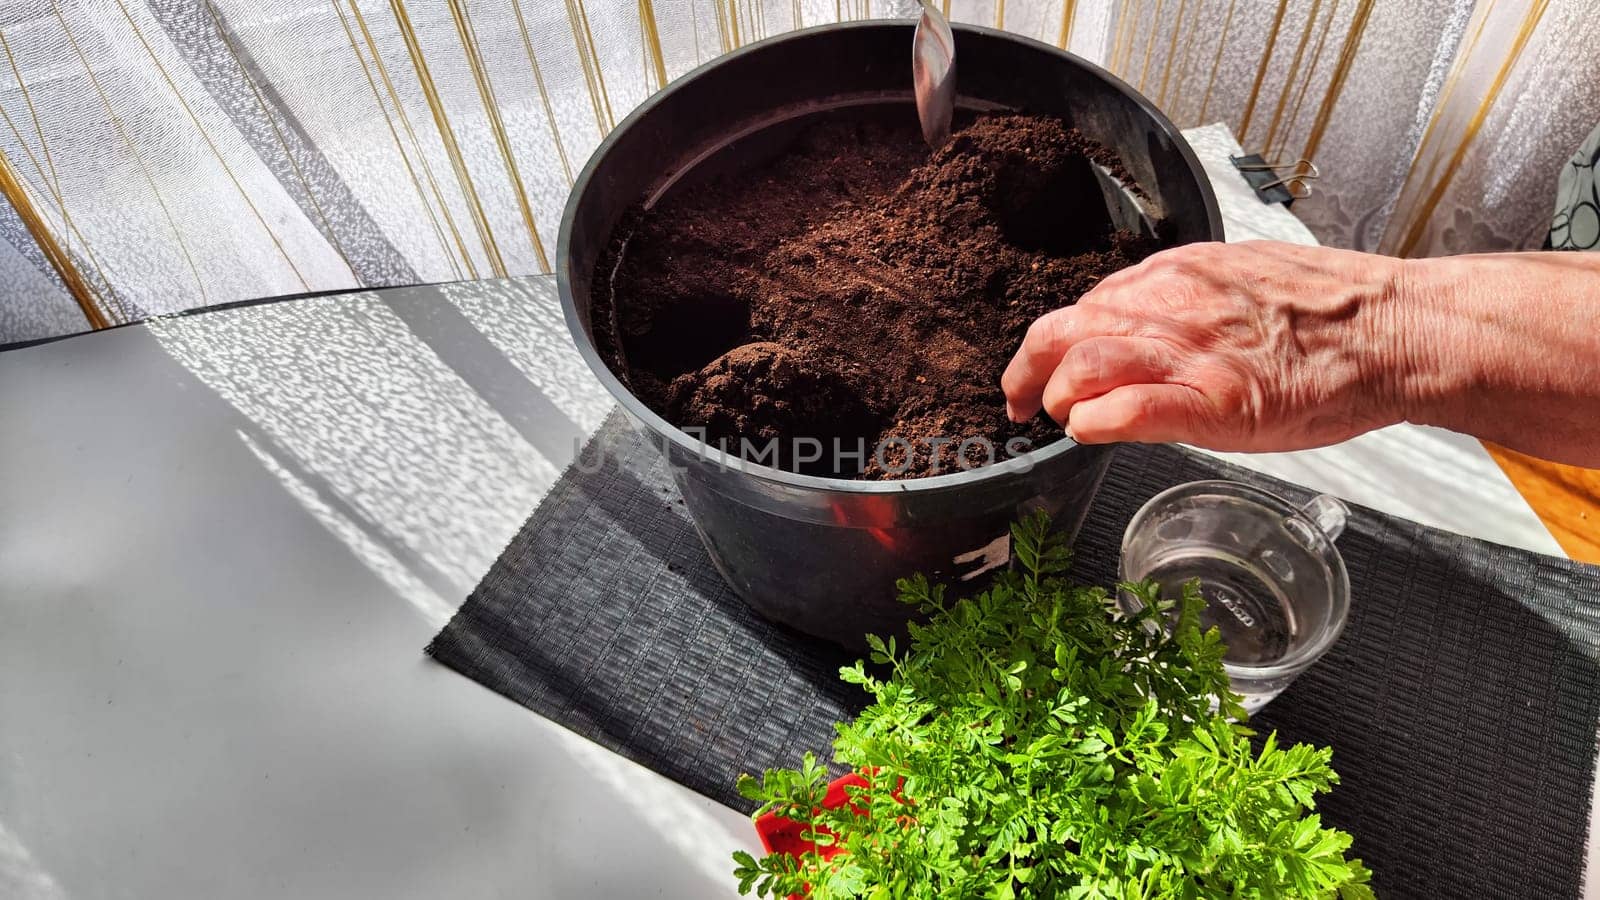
(1047, 340)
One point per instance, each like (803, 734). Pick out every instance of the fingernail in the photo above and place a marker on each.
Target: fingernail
(1068, 430)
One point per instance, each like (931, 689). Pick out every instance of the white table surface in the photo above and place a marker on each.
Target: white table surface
(225, 539)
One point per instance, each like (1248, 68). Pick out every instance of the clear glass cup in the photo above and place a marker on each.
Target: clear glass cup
(1274, 584)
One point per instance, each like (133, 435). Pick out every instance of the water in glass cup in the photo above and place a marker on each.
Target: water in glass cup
(1255, 618)
(1275, 586)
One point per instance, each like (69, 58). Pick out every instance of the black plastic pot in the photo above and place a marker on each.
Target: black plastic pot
(822, 554)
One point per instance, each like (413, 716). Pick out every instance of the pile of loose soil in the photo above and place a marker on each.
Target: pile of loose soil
(861, 291)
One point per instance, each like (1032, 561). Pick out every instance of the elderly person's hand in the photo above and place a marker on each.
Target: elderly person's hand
(1267, 346)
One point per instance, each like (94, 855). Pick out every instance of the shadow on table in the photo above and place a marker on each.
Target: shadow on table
(1461, 701)
(605, 615)
(1462, 713)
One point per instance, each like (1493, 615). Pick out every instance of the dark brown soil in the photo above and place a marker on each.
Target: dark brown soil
(861, 290)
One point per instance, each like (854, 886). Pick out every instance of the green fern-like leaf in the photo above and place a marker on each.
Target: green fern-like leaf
(1033, 741)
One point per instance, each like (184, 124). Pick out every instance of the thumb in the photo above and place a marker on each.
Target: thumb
(1144, 413)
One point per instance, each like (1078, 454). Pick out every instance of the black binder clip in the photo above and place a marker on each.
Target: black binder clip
(1272, 186)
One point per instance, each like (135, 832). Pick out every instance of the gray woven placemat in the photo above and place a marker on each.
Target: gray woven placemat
(1461, 702)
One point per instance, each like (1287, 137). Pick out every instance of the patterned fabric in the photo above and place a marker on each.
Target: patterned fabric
(163, 155)
(1576, 225)
(1509, 114)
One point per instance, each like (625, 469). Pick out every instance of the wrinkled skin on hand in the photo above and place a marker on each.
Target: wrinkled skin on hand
(1253, 346)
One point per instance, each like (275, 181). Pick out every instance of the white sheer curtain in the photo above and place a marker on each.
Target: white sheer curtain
(157, 155)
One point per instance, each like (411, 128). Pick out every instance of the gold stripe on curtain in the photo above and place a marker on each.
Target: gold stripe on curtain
(544, 95)
(1172, 52)
(1457, 69)
(491, 112)
(593, 78)
(1424, 214)
(1341, 71)
(1294, 72)
(652, 37)
(1305, 83)
(1216, 61)
(1127, 22)
(447, 137)
(1150, 45)
(1069, 9)
(91, 298)
(1444, 105)
(465, 258)
(205, 136)
(133, 151)
(1261, 69)
(11, 187)
(255, 92)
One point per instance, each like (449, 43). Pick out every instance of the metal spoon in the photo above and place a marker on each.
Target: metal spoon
(933, 75)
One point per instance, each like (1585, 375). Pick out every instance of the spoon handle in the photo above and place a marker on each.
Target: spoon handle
(933, 75)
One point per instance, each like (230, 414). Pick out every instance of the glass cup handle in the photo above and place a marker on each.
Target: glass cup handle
(1329, 513)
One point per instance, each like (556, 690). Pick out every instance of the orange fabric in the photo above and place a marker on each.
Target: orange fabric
(1566, 499)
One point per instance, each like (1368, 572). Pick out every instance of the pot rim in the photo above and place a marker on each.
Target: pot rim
(706, 453)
